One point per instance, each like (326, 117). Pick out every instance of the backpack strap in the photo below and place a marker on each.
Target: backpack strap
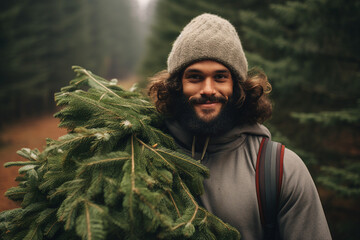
(269, 173)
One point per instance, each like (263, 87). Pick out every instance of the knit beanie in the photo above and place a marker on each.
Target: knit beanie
(208, 37)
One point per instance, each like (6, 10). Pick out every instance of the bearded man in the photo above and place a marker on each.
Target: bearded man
(215, 109)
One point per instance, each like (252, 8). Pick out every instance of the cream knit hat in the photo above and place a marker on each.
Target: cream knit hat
(208, 37)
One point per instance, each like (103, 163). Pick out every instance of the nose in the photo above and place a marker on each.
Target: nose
(208, 87)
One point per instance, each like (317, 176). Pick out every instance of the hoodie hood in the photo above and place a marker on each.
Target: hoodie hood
(216, 143)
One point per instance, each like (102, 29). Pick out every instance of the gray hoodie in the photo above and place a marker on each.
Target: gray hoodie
(230, 192)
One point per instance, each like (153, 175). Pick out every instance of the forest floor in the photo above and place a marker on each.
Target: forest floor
(28, 133)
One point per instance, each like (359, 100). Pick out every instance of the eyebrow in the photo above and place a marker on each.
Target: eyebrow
(222, 71)
(198, 71)
(192, 71)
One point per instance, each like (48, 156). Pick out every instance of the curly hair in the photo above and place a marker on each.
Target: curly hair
(250, 97)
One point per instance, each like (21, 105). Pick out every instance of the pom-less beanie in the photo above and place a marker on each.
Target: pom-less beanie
(208, 37)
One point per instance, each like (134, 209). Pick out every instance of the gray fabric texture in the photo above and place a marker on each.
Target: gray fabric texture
(208, 37)
(230, 192)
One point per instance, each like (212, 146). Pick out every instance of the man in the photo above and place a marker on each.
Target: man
(215, 109)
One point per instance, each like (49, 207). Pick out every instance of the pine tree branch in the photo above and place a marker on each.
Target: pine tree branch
(34, 231)
(173, 201)
(88, 225)
(192, 199)
(48, 231)
(147, 203)
(68, 222)
(162, 133)
(155, 151)
(80, 79)
(96, 81)
(73, 140)
(131, 105)
(10, 164)
(11, 195)
(96, 104)
(215, 217)
(193, 202)
(101, 162)
(132, 178)
(110, 178)
(192, 163)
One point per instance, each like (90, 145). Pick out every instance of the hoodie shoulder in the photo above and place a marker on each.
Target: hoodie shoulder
(255, 129)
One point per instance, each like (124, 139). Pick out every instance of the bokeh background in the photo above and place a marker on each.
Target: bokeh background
(308, 48)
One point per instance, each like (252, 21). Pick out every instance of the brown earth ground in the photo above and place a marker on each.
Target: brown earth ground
(28, 133)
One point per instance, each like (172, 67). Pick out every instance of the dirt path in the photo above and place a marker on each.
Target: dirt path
(30, 134)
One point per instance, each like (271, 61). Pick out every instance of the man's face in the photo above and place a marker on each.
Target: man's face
(208, 86)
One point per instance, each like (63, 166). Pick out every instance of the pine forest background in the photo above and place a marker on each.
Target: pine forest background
(308, 48)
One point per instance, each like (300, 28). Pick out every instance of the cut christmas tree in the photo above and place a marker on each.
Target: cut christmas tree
(115, 175)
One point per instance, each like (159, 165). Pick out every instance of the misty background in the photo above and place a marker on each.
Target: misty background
(308, 48)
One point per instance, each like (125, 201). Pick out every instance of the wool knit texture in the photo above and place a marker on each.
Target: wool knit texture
(208, 37)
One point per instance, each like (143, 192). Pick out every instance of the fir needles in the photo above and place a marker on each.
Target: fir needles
(115, 175)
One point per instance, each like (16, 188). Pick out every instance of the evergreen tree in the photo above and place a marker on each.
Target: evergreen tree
(309, 49)
(301, 47)
(38, 41)
(115, 175)
(114, 37)
(25, 41)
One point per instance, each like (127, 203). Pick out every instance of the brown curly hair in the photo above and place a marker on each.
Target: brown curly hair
(250, 96)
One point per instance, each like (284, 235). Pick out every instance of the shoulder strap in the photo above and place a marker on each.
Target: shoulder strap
(269, 173)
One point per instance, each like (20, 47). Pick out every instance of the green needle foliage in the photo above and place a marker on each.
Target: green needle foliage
(115, 175)
(345, 180)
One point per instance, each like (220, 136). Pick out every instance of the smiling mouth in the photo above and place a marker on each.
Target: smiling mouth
(208, 105)
(208, 100)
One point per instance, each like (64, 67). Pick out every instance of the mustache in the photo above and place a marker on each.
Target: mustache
(205, 99)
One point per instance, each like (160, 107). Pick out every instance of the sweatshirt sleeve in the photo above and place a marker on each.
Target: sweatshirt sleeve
(301, 215)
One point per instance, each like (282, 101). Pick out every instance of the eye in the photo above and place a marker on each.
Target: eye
(221, 77)
(194, 77)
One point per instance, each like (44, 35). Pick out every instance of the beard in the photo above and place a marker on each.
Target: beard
(185, 114)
